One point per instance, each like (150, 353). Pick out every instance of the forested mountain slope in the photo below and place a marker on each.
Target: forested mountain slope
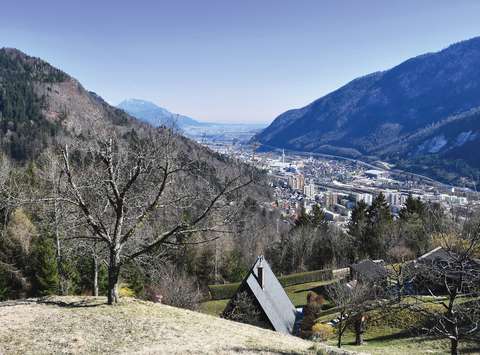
(41, 105)
(386, 114)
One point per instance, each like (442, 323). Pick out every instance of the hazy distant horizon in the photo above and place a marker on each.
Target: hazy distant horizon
(221, 61)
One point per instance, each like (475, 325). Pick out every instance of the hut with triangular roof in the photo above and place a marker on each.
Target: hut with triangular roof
(266, 298)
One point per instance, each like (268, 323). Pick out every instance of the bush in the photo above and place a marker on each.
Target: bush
(322, 332)
(174, 288)
(246, 310)
(125, 291)
(311, 312)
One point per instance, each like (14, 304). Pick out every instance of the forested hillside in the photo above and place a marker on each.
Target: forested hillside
(93, 200)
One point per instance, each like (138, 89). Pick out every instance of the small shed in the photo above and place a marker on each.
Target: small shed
(368, 271)
(442, 257)
(268, 296)
(435, 255)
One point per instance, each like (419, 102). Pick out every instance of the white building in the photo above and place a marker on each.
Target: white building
(310, 190)
(367, 198)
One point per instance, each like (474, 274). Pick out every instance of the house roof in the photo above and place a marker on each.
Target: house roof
(369, 270)
(272, 297)
(439, 254)
(436, 254)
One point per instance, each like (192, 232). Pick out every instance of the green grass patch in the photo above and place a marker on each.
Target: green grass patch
(214, 308)
(220, 292)
(296, 293)
(394, 341)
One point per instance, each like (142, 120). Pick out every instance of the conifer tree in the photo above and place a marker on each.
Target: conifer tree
(357, 228)
(379, 222)
(413, 221)
(45, 272)
(412, 206)
(205, 267)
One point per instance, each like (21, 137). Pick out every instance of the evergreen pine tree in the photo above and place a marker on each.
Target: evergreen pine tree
(379, 221)
(44, 267)
(205, 267)
(412, 221)
(357, 228)
(318, 217)
(413, 206)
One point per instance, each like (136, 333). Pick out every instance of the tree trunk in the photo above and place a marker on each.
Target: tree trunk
(452, 317)
(359, 323)
(113, 273)
(454, 341)
(340, 331)
(95, 275)
(62, 279)
(454, 346)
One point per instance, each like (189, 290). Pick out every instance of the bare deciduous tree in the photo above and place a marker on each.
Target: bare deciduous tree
(140, 193)
(4, 177)
(453, 280)
(352, 301)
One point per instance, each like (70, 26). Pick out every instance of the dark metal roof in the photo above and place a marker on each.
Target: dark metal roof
(367, 270)
(272, 298)
(435, 255)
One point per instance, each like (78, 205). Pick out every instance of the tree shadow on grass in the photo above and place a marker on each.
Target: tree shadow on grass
(317, 289)
(468, 348)
(13, 303)
(78, 303)
(247, 349)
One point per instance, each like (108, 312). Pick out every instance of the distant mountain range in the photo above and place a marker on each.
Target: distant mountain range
(422, 115)
(42, 107)
(157, 116)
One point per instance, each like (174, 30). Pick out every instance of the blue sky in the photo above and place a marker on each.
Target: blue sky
(230, 60)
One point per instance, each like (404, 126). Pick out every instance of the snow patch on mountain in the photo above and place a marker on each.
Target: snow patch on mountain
(465, 137)
(433, 145)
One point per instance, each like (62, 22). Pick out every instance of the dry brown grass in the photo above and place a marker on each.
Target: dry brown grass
(74, 325)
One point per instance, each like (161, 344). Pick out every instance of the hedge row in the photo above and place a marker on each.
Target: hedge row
(220, 292)
(304, 277)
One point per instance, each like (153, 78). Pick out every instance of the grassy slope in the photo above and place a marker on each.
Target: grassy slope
(386, 333)
(379, 341)
(87, 325)
(296, 293)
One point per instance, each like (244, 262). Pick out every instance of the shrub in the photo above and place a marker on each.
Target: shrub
(322, 331)
(245, 309)
(311, 312)
(175, 288)
(125, 291)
